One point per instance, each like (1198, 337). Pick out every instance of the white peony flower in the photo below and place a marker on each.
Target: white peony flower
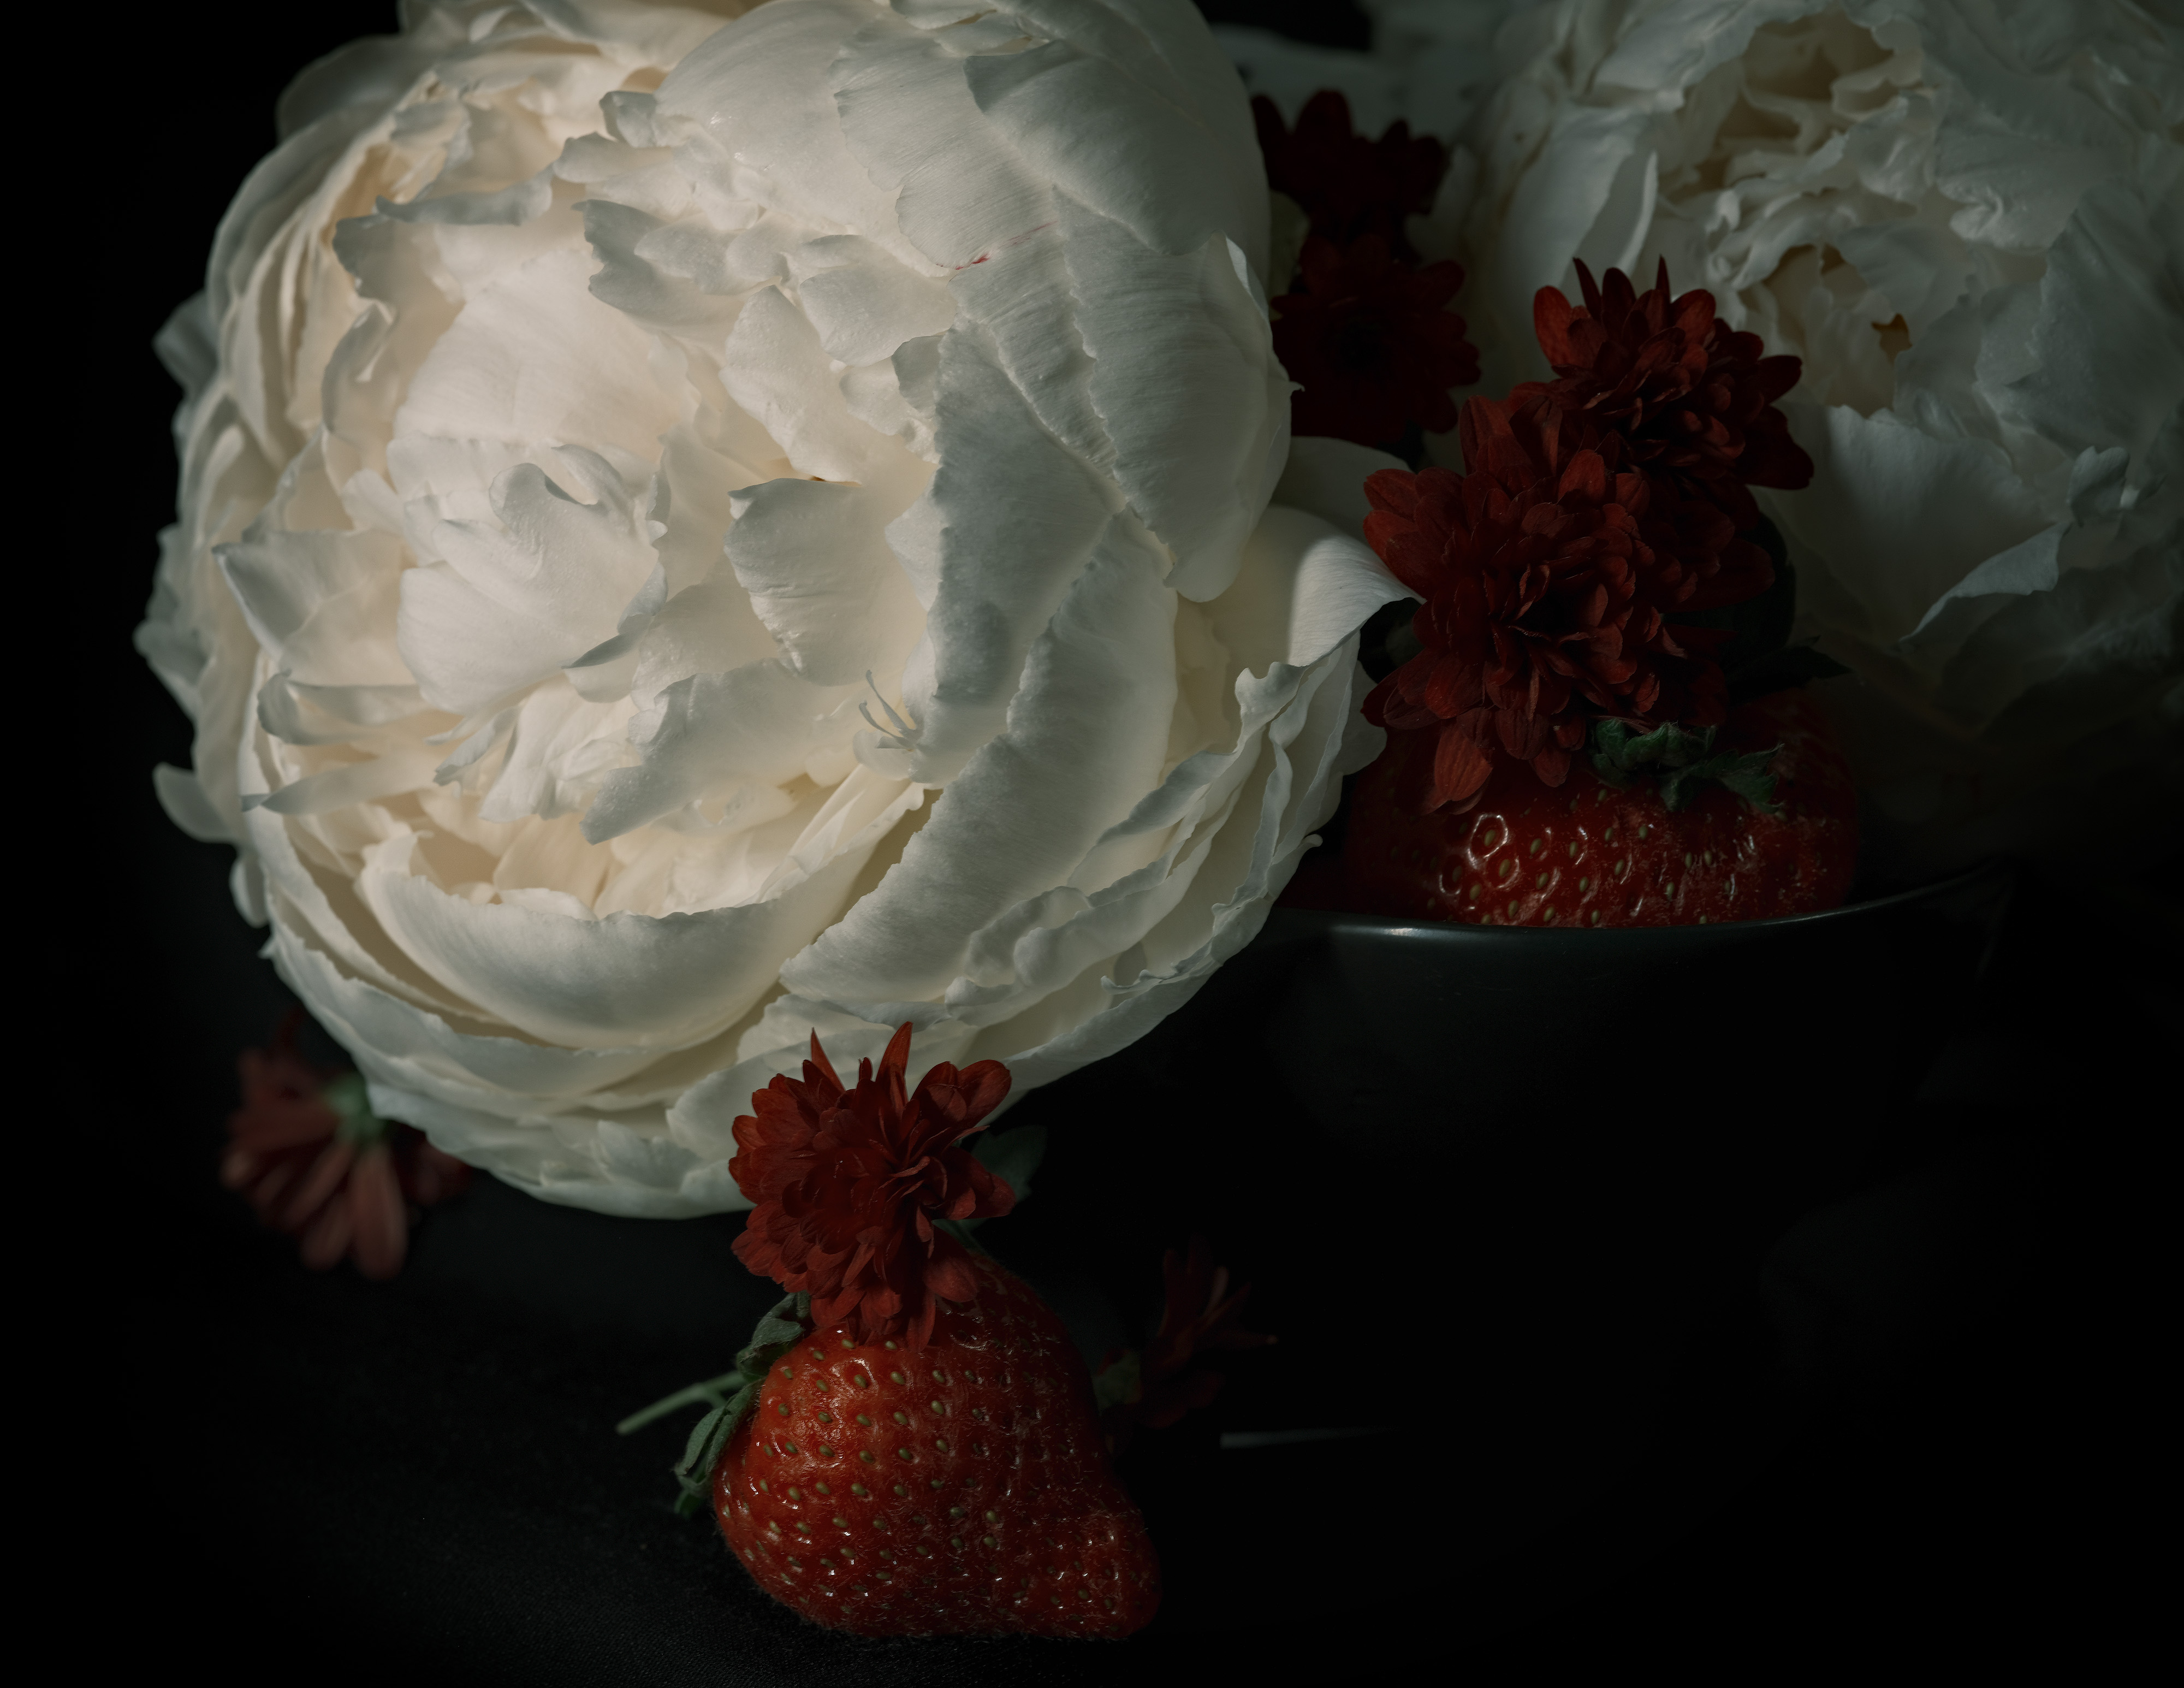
(691, 534)
(1967, 219)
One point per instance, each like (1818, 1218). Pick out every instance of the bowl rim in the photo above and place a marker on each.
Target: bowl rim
(1998, 872)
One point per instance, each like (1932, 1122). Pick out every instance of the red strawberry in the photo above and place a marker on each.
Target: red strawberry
(962, 1487)
(1587, 852)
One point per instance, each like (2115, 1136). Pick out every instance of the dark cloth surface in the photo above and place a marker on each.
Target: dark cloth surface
(1919, 1446)
(1917, 1451)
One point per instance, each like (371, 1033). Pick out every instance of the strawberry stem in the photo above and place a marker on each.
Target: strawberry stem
(775, 1334)
(713, 1392)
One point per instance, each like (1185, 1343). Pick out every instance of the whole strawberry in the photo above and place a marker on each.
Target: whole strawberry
(909, 1446)
(1594, 853)
(961, 1487)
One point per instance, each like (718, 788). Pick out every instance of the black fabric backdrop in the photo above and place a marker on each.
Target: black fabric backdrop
(338, 1479)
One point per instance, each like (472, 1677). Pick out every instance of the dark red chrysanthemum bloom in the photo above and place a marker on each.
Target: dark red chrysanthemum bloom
(1372, 342)
(845, 1185)
(1347, 184)
(308, 1153)
(1542, 610)
(1693, 399)
(1199, 1317)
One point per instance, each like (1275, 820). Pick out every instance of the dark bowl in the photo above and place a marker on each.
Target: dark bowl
(1541, 1168)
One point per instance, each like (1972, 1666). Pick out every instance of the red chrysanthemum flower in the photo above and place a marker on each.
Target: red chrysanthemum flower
(1372, 342)
(846, 1186)
(1199, 1317)
(1543, 603)
(308, 1154)
(1347, 184)
(1693, 399)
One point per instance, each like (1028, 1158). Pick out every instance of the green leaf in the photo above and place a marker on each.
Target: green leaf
(709, 1439)
(1746, 774)
(782, 1325)
(1681, 761)
(350, 1099)
(1011, 1156)
(961, 1229)
(1121, 1382)
(1619, 753)
(730, 1396)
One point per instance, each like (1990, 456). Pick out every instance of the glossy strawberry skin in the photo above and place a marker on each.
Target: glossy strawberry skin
(960, 1488)
(1587, 854)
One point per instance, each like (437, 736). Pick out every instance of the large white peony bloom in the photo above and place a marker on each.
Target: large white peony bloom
(1968, 219)
(692, 533)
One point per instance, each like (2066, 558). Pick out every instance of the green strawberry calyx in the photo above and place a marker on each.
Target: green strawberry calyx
(730, 1396)
(1681, 761)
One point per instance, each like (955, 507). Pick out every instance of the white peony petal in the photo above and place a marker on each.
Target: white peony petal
(715, 732)
(776, 369)
(814, 558)
(321, 602)
(1089, 726)
(863, 303)
(1327, 478)
(1901, 516)
(337, 788)
(1551, 212)
(1181, 354)
(646, 272)
(1306, 586)
(187, 806)
(993, 547)
(759, 89)
(620, 981)
(553, 555)
(907, 116)
(1049, 98)
(557, 749)
(535, 357)
(2111, 283)
(500, 1075)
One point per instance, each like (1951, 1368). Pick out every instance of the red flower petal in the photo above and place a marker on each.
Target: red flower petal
(377, 1214)
(846, 1186)
(1371, 343)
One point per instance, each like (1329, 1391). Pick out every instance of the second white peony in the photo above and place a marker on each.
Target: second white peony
(1967, 219)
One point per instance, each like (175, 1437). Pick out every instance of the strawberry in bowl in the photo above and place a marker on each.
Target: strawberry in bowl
(1597, 724)
(1682, 849)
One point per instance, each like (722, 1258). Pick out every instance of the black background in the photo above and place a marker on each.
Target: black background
(329, 1479)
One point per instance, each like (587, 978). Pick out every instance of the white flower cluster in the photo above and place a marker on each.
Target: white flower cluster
(1968, 219)
(694, 533)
